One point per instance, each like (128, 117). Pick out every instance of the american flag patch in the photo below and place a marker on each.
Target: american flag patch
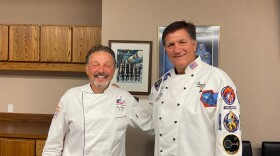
(193, 65)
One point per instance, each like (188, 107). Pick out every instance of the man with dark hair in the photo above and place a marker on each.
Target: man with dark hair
(92, 119)
(195, 106)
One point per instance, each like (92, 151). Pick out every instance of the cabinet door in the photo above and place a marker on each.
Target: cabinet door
(39, 147)
(55, 44)
(84, 38)
(3, 42)
(17, 147)
(24, 43)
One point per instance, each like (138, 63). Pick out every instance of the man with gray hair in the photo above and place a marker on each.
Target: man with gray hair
(93, 119)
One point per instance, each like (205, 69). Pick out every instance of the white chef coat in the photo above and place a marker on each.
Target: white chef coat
(92, 124)
(196, 113)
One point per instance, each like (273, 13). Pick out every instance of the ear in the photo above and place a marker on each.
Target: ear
(194, 44)
(87, 69)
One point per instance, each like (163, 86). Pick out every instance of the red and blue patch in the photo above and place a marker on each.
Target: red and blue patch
(193, 65)
(228, 95)
(209, 98)
(157, 84)
(120, 103)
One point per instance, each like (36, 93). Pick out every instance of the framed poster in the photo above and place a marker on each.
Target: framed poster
(207, 47)
(133, 65)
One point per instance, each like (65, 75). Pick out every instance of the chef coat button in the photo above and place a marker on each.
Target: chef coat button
(174, 139)
(162, 102)
(160, 150)
(175, 121)
(178, 104)
(160, 134)
(166, 87)
(160, 118)
(192, 75)
(185, 88)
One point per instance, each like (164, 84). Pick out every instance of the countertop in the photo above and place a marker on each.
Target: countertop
(27, 126)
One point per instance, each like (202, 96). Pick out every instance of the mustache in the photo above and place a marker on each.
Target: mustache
(100, 74)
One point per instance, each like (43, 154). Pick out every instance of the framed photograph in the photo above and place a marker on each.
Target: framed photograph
(133, 65)
(207, 47)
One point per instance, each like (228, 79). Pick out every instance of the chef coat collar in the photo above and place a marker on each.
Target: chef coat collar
(89, 90)
(194, 65)
(191, 67)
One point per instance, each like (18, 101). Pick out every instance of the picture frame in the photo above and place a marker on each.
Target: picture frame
(207, 45)
(133, 65)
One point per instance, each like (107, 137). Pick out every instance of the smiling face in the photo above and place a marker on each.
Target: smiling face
(180, 49)
(100, 70)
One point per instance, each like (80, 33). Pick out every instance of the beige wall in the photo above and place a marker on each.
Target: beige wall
(249, 50)
(39, 92)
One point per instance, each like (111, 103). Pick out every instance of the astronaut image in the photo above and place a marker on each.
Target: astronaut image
(204, 55)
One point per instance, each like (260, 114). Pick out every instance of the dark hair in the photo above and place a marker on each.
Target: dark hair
(98, 48)
(188, 26)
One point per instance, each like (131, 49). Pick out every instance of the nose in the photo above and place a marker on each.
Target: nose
(177, 48)
(101, 69)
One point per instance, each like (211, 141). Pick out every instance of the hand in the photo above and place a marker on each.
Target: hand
(115, 85)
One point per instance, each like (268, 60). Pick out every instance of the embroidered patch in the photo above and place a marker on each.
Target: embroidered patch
(57, 111)
(157, 84)
(120, 103)
(193, 65)
(200, 86)
(158, 97)
(229, 107)
(220, 122)
(231, 122)
(231, 144)
(166, 76)
(209, 98)
(228, 95)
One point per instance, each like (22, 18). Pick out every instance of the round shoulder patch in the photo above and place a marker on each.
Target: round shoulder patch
(228, 95)
(231, 144)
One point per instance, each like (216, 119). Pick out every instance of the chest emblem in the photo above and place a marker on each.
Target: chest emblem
(228, 95)
(200, 86)
(209, 98)
(120, 103)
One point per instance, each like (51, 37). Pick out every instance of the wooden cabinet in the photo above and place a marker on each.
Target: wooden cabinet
(84, 38)
(47, 47)
(23, 134)
(24, 43)
(55, 44)
(21, 147)
(3, 42)
(17, 147)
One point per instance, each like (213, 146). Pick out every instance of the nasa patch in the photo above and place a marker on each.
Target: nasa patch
(228, 95)
(209, 98)
(231, 144)
(231, 122)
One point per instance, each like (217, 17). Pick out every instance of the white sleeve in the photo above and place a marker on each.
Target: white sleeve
(228, 131)
(57, 131)
(141, 115)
